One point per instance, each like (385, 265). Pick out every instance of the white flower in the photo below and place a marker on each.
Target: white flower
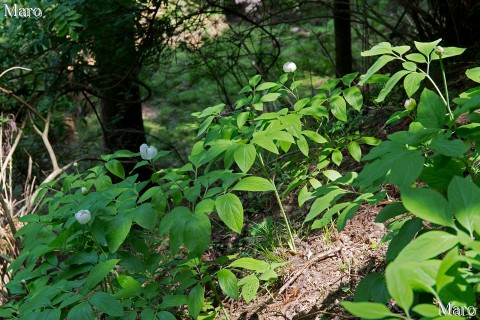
(84, 190)
(147, 152)
(439, 51)
(289, 67)
(83, 216)
(410, 104)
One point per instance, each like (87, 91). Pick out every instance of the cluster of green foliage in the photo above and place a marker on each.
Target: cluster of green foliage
(143, 252)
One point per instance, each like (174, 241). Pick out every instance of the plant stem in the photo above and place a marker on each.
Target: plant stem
(290, 242)
(446, 88)
(219, 300)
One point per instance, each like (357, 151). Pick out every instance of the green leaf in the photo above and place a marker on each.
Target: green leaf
(165, 315)
(337, 157)
(250, 264)
(412, 82)
(254, 184)
(332, 175)
(314, 136)
(355, 150)
(129, 287)
(449, 52)
(250, 285)
(205, 125)
(354, 97)
(292, 124)
(372, 288)
(145, 216)
(195, 300)
(338, 108)
(450, 148)
(427, 310)
(303, 145)
(398, 285)
(324, 202)
(426, 246)
(266, 85)
(427, 47)
(473, 74)
(300, 104)
(390, 84)
(269, 97)
(97, 274)
(116, 168)
(295, 84)
(242, 119)
(262, 140)
(416, 57)
(327, 216)
(106, 303)
(118, 229)
(381, 48)
(410, 66)
(175, 300)
(245, 89)
(244, 156)
(428, 205)
(368, 310)
(82, 311)
(210, 111)
(464, 201)
(405, 235)
(228, 283)
(431, 110)
(254, 80)
(230, 211)
(196, 233)
(380, 63)
(391, 210)
(348, 78)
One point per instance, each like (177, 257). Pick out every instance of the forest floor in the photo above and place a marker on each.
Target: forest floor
(312, 288)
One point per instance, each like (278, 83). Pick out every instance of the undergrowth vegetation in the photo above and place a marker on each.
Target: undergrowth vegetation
(103, 244)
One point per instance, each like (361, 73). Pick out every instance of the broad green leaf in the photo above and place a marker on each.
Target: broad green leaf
(372, 288)
(391, 210)
(303, 145)
(118, 229)
(228, 283)
(254, 80)
(426, 47)
(332, 175)
(129, 287)
(254, 184)
(175, 300)
(210, 111)
(292, 124)
(145, 216)
(82, 311)
(97, 274)
(427, 246)
(265, 142)
(355, 150)
(250, 285)
(281, 136)
(390, 84)
(314, 136)
(348, 78)
(245, 90)
(354, 97)
(197, 233)
(205, 125)
(116, 168)
(244, 156)
(368, 310)
(165, 315)
(337, 157)
(338, 108)
(428, 205)
(401, 50)
(398, 286)
(269, 97)
(473, 74)
(412, 82)
(449, 52)
(205, 206)
(464, 201)
(431, 110)
(427, 310)
(346, 215)
(250, 264)
(379, 64)
(381, 48)
(242, 119)
(300, 104)
(405, 235)
(450, 148)
(195, 300)
(371, 141)
(230, 211)
(322, 203)
(416, 57)
(410, 66)
(266, 85)
(106, 303)
(327, 216)
(102, 182)
(295, 84)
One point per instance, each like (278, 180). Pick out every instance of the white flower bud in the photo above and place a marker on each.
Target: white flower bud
(439, 51)
(410, 104)
(75, 164)
(289, 67)
(83, 216)
(84, 190)
(147, 152)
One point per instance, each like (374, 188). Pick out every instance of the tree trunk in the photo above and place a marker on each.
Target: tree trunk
(343, 37)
